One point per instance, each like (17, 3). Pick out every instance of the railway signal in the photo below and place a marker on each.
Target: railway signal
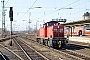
(11, 13)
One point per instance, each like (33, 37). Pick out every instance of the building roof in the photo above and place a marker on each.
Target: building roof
(79, 22)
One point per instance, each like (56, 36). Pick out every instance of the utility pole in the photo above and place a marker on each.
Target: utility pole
(3, 20)
(29, 23)
(36, 26)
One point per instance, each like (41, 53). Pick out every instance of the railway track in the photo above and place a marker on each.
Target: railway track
(82, 52)
(61, 54)
(30, 53)
(85, 51)
(77, 54)
(78, 50)
(7, 54)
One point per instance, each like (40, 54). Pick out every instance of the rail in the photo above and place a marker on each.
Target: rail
(12, 52)
(23, 50)
(31, 49)
(38, 52)
(61, 52)
(2, 56)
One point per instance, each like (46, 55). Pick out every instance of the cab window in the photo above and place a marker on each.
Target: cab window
(61, 29)
(55, 29)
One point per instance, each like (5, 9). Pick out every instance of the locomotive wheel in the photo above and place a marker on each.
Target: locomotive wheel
(46, 42)
(37, 40)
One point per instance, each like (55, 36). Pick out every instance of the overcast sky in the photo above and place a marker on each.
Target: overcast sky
(51, 9)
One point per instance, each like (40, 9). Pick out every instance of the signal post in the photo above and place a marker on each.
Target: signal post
(11, 19)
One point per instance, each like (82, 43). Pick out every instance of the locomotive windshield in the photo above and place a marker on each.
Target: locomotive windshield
(51, 23)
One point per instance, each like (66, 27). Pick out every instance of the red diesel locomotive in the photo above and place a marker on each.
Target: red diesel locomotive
(52, 34)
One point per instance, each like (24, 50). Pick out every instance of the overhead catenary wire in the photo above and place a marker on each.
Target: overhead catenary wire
(29, 8)
(72, 8)
(72, 3)
(78, 9)
(7, 2)
(74, 13)
(50, 12)
(54, 10)
(60, 8)
(81, 3)
(33, 4)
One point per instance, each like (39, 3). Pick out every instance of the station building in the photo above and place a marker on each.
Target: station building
(80, 27)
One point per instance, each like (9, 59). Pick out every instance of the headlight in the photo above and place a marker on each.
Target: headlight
(59, 42)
